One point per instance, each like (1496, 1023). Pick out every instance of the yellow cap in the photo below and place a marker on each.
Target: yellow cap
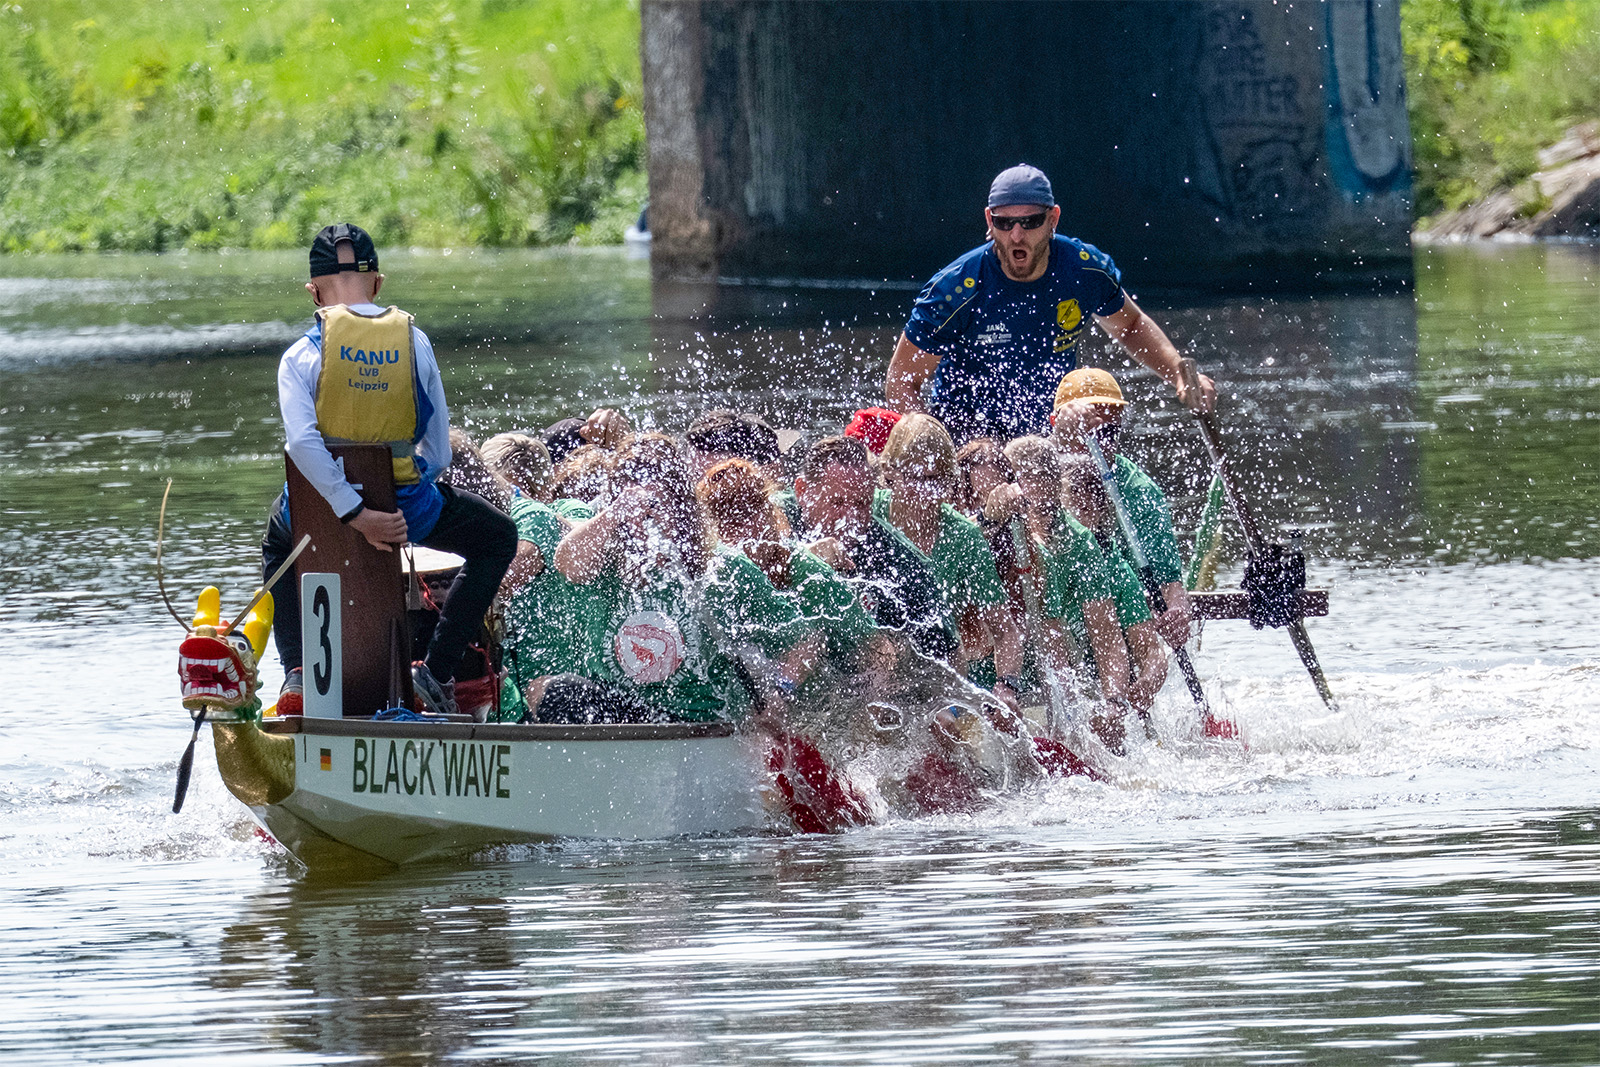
(1091, 384)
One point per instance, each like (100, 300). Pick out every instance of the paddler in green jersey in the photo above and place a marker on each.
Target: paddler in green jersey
(737, 497)
(548, 619)
(1079, 594)
(678, 610)
(918, 466)
(1085, 497)
(1090, 400)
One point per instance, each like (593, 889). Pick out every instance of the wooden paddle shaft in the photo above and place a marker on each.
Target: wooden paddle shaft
(1213, 438)
(1141, 560)
(266, 586)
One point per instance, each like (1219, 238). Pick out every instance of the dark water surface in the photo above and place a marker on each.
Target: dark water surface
(1415, 879)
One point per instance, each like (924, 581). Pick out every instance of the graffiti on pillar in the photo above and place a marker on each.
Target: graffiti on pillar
(1257, 159)
(1369, 138)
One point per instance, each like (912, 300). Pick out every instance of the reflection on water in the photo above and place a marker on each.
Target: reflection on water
(56, 309)
(1510, 387)
(1388, 941)
(1410, 880)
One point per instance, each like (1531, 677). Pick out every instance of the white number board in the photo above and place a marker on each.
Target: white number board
(320, 632)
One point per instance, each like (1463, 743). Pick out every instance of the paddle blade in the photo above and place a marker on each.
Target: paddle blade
(1060, 761)
(819, 801)
(185, 768)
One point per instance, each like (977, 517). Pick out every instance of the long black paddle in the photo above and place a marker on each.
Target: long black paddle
(1253, 539)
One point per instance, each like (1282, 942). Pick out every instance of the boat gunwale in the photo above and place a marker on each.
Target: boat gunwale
(498, 731)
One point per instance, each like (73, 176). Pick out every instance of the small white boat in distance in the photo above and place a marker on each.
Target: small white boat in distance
(636, 238)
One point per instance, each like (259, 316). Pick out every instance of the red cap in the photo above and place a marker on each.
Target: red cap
(871, 427)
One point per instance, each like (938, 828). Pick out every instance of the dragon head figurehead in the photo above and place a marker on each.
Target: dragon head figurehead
(217, 661)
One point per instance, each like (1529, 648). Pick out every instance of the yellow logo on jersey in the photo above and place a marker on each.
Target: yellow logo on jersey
(969, 283)
(1068, 314)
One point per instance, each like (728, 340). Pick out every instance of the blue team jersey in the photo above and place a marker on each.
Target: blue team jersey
(1005, 345)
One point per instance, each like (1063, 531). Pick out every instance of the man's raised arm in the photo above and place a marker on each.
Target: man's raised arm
(1147, 343)
(909, 370)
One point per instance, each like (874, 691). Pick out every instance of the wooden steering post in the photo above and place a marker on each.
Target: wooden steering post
(376, 630)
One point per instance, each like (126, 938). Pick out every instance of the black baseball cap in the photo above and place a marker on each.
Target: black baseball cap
(563, 438)
(1021, 184)
(325, 250)
(730, 433)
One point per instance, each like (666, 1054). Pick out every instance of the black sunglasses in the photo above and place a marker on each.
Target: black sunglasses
(1004, 223)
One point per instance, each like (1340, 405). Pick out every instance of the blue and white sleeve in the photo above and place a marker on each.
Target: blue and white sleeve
(297, 402)
(938, 316)
(434, 446)
(1112, 296)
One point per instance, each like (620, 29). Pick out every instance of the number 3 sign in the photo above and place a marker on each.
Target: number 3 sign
(319, 635)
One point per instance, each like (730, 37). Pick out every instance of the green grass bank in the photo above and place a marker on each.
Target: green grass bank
(168, 124)
(1490, 83)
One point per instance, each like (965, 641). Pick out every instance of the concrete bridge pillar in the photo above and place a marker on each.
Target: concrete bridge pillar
(1249, 143)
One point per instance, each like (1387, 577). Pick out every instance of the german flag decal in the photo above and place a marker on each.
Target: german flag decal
(327, 759)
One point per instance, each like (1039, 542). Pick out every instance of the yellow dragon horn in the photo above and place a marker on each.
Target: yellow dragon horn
(258, 624)
(208, 611)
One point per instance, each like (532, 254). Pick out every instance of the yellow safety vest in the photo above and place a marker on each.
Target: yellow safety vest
(367, 391)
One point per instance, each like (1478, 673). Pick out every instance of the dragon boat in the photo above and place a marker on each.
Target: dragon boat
(360, 775)
(357, 778)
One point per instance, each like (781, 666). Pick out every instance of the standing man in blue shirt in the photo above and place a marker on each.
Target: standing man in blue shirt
(997, 329)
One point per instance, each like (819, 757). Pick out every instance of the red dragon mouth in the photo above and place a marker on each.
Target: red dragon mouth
(214, 673)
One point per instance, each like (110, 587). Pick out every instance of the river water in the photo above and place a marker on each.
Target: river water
(1413, 879)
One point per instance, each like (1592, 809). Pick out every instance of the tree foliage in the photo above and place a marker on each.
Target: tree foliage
(1491, 82)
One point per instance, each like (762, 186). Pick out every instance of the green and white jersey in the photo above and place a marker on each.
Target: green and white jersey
(825, 601)
(662, 640)
(1152, 520)
(551, 617)
(1133, 607)
(962, 562)
(1076, 570)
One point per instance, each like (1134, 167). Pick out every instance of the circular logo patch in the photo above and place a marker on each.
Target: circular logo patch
(649, 647)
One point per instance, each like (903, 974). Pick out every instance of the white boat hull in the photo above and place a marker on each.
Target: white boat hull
(408, 791)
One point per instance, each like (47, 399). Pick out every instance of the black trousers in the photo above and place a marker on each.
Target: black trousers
(468, 525)
(574, 698)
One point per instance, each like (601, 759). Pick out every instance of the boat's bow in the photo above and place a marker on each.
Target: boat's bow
(256, 766)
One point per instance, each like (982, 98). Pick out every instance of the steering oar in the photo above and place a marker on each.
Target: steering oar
(1253, 539)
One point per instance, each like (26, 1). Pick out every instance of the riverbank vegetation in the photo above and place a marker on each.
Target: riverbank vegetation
(1491, 82)
(191, 124)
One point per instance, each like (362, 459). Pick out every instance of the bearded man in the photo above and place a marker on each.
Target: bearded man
(996, 330)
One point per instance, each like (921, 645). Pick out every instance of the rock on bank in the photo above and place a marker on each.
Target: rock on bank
(1561, 200)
